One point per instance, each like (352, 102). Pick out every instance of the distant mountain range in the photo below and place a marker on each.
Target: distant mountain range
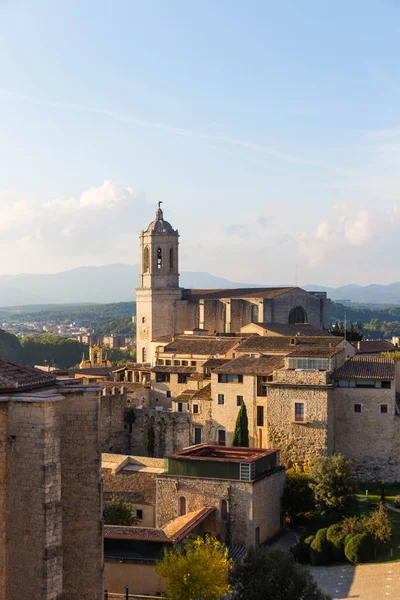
(117, 283)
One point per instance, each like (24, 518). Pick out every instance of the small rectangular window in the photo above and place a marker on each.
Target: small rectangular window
(143, 319)
(167, 362)
(168, 394)
(182, 378)
(193, 363)
(260, 416)
(299, 411)
(180, 407)
(221, 398)
(185, 363)
(195, 409)
(386, 385)
(230, 378)
(177, 363)
(221, 437)
(384, 408)
(357, 408)
(239, 400)
(139, 514)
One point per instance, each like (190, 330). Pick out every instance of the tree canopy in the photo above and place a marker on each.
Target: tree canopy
(333, 486)
(118, 512)
(241, 433)
(198, 570)
(268, 574)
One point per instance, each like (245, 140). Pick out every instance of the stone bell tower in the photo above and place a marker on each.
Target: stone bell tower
(159, 285)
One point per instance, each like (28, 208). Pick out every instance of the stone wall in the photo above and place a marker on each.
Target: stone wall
(371, 439)
(140, 576)
(169, 432)
(3, 500)
(267, 505)
(81, 495)
(300, 443)
(112, 432)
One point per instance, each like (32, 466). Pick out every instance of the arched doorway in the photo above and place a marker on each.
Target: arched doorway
(298, 315)
(254, 313)
(182, 508)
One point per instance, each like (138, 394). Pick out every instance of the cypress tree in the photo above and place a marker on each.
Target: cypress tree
(241, 435)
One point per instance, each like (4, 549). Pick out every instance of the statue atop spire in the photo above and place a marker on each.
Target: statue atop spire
(159, 213)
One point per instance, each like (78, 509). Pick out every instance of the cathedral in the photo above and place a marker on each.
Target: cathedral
(165, 309)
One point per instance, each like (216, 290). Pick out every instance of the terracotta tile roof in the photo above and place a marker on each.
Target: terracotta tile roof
(315, 351)
(132, 486)
(184, 396)
(282, 345)
(236, 293)
(374, 346)
(196, 377)
(91, 371)
(299, 329)
(366, 367)
(246, 365)
(213, 363)
(222, 453)
(201, 345)
(174, 531)
(173, 369)
(204, 393)
(18, 377)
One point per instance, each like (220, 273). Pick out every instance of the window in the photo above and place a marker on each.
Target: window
(182, 508)
(180, 407)
(162, 377)
(357, 408)
(177, 363)
(139, 514)
(221, 398)
(384, 408)
(167, 362)
(260, 416)
(171, 260)
(185, 363)
(386, 385)
(365, 383)
(224, 378)
(254, 314)
(146, 262)
(257, 536)
(223, 318)
(193, 363)
(221, 439)
(247, 471)
(143, 355)
(261, 384)
(159, 259)
(195, 409)
(143, 319)
(298, 315)
(308, 364)
(197, 435)
(299, 411)
(182, 378)
(239, 400)
(168, 394)
(197, 317)
(224, 511)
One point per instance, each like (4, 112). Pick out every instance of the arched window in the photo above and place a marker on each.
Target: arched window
(254, 313)
(182, 508)
(223, 318)
(143, 355)
(159, 259)
(298, 315)
(224, 511)
(146, 261)
(96, 357)
(171, 260)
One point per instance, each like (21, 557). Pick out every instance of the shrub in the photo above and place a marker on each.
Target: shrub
(319, 549)
(378, 524)
(298, 498)
(397, 502)
(351, 525)
(301, 552)
(335, 538)
(359, 548)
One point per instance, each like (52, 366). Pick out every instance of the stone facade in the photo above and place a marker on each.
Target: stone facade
(50, 495)
(157, 433)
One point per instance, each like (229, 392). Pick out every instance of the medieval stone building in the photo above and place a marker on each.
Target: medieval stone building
(164, 308)
(50, 487)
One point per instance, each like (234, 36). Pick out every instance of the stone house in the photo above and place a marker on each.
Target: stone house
(50, 488)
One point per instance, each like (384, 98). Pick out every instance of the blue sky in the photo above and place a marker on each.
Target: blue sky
(271, 131)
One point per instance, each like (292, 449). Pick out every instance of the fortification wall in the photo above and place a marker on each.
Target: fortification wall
(158, 433)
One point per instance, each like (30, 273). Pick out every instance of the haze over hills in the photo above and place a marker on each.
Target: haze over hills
(117, 282)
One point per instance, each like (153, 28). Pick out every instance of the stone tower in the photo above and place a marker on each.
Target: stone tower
(159, 285)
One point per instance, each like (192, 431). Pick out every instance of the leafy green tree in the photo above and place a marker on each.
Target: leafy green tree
(118, 512)
(298, 498)
(332, 485)
(241, 433)
(10, 346)
(378, 524)
(53, 349)
(273, 575)
(198, 570)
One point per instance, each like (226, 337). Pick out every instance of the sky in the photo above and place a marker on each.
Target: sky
(269, 130)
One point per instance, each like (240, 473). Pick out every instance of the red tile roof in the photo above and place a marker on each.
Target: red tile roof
(200, 345)
(236, 293)
(222, 453)
(17, 377)
(246, 365)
